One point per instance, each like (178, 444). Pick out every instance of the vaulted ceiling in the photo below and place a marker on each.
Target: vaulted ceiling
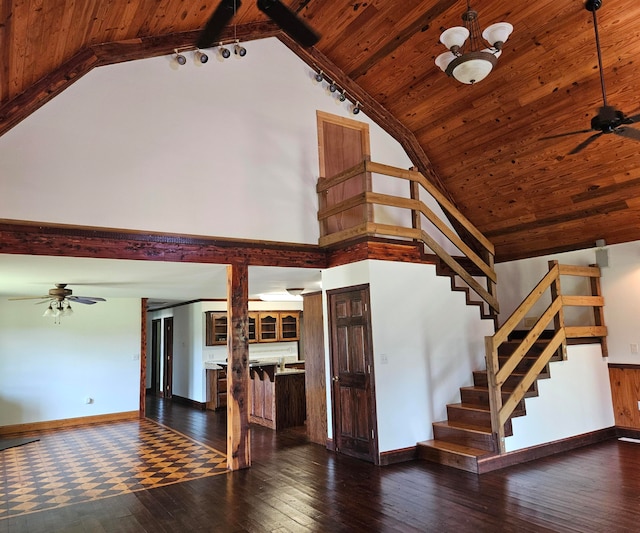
(480, 143)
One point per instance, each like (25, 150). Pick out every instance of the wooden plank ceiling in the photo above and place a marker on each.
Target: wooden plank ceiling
(481, 142)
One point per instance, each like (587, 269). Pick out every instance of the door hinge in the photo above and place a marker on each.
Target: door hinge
(373, 435)
(369, 368)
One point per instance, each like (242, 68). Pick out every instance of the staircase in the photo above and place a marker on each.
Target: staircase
(465, 439)
(458, 285)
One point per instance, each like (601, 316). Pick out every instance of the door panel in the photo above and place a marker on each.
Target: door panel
(352, 374)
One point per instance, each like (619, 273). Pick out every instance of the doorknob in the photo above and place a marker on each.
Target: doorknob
(336, 378)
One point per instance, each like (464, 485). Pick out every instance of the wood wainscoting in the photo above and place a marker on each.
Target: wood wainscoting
(625, 394)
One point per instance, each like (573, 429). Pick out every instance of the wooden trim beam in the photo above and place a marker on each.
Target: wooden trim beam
(33, 238)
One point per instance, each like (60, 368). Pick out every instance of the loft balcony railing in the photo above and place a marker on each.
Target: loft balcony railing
(375, 200)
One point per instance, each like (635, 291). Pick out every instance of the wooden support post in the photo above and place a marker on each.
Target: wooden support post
(238, 432)
(558, 319)
(495, 393)
(598, 311)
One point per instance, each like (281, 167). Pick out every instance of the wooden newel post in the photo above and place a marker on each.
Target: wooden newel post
(558, 319)
(495, 393)
(238, 432)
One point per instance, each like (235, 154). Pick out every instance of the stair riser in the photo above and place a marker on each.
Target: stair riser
(481, 398)
(461, 462)
(524, 365)
(464, 438)
(475, 418)
(480, 380)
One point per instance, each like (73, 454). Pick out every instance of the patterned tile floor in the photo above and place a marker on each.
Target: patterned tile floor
(79, 464)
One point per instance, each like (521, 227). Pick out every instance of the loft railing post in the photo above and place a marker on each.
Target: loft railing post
(598, 311)
(414, 191)
(558, 319)
(369, 213)
(495, 393)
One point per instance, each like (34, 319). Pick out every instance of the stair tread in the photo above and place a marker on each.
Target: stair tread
(470, 406)
(460, 449)
(463, 426)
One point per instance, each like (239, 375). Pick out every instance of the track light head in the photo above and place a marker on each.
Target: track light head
(333, 87)
(319, 76)
(239, 50)
(201, 57)
(224, 52)
(180, 59)
(342, 96)
(356, 108)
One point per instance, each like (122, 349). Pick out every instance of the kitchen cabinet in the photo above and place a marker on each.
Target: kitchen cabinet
(216, 388)
(276, 399)
(216, 328)
(264, 326)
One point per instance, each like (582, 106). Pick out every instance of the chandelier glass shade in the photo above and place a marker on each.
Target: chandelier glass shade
(469, 60)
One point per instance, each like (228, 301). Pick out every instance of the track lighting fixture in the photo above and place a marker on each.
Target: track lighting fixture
(239, 50)
(200, 56)
(319, 76)
(179, 58)
(356, 108)
(224, 52)
(333, 87)
(342, 96)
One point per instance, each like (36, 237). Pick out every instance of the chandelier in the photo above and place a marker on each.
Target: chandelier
(472, 62)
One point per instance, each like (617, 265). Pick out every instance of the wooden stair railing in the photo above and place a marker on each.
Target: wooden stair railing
(364, 223)
(503, 405)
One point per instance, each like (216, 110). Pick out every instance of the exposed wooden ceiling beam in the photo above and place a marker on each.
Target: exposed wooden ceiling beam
(16, 110)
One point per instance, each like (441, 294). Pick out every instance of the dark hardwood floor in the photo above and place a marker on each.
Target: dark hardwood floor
(295, 486)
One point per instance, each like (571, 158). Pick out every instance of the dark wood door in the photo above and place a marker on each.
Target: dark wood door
(167, 375)
(343, 143)
(354, 417)
(156, 335)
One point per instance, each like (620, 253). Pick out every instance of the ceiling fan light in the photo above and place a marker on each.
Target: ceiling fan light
(67, 311)
(454, 37)
(472, 70)
(48, 311)
(444, 59)
(497, 34)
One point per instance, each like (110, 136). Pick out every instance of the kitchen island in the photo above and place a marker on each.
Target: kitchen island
(276, 396)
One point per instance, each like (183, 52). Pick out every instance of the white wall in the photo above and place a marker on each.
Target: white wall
(144, 145)
(620, 285)
(430, 339)
(47, 370)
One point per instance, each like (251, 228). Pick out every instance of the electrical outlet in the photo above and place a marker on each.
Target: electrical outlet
(530, 321)
(634, 347)
(384, 360)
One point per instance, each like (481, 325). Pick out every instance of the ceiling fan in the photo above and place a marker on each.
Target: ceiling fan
(286, 19)
(609, 119)
(59, 298)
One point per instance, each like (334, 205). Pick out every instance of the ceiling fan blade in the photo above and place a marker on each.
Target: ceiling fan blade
(30, 298)
(89, 300)
(632, 119)
(585, 143)
(289, 22)
(628, 132)
(563, 134)
(220, 18)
